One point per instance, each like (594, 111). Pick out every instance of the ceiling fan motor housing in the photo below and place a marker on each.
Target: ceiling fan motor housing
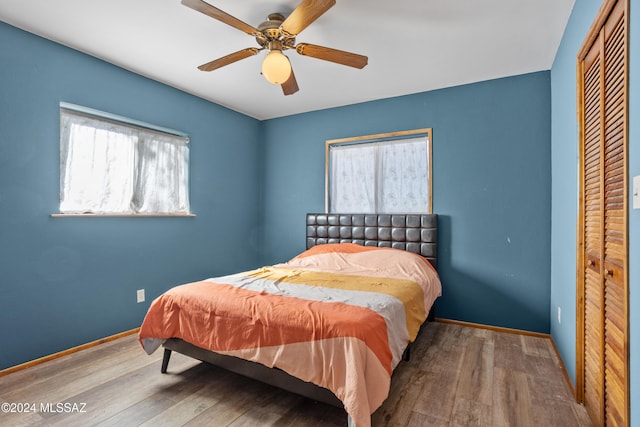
(271, 32)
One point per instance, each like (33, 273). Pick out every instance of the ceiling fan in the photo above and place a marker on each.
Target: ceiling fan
(277, 34)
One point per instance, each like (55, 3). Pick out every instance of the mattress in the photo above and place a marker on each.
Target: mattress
(337, 315)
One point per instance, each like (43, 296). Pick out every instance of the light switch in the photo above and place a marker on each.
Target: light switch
(636, 192)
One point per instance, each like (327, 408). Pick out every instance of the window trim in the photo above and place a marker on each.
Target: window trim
(121, 119)
(104, 215)
(398, 135)
(129, 122)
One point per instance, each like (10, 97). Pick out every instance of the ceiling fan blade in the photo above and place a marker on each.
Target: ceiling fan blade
(333, 55)
(229, 59)
(291, 85)
(303, 15)
(214, 12)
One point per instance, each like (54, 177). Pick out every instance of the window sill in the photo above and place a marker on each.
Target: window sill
(86, 215)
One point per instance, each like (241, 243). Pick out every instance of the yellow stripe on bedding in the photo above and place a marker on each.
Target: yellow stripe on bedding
(406, 291)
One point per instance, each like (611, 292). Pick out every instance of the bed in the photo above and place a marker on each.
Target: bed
(348, 306)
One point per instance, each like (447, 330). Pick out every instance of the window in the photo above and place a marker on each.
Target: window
(112, 165)
(386, 173)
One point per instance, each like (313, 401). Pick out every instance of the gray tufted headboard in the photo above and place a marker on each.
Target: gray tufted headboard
(411, 232)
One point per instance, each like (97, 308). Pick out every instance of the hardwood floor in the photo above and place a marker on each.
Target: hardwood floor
(457, 376)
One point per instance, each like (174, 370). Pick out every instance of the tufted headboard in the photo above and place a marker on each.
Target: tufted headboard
(411, 232)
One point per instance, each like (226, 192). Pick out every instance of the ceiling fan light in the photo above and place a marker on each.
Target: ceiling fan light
(276, 67)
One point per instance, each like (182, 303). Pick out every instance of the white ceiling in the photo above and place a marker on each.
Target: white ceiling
(412, 45)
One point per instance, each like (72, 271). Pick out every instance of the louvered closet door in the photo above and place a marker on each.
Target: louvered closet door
(593, 213)
(602, 293)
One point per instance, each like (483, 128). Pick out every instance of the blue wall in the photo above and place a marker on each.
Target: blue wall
(491, 188)
(68, 281)
(564, 159)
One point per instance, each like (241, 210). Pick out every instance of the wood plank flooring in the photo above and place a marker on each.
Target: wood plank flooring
(457, 376)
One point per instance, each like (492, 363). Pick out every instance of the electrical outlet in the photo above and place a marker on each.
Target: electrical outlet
(140, 295)
(559, 315)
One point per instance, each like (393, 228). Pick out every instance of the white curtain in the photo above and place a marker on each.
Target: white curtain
(380, 177)
(109, 167)
(352, 178)
(403, 176)
(163, 175)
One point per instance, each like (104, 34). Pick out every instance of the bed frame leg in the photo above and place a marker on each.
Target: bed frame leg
(165, 360)
(406, 356)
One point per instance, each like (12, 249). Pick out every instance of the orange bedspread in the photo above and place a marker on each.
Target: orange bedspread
(339, 316)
